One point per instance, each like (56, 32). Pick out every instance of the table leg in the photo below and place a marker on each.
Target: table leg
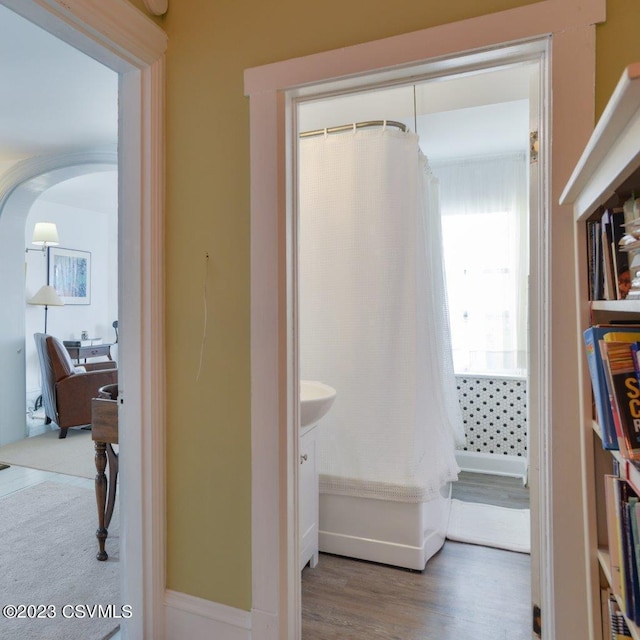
(112, 458)
(101, 497)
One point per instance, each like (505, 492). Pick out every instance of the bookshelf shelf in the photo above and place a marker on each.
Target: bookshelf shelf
(605, 563)
(606, 175)
(616, 306)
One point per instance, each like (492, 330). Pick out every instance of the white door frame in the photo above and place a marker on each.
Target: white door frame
(121, 37)
(569, 23)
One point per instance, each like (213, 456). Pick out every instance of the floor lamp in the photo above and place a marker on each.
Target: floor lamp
(46, 297)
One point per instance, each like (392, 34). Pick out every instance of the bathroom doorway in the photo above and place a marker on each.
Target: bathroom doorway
(567, 76)
(470, 122)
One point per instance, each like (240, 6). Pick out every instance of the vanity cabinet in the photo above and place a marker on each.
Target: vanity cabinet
(308, 496)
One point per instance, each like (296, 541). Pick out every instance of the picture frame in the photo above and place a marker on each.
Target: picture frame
(69, 272)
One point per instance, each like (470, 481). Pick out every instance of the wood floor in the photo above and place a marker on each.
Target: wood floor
(466, 592)
(14, 479)
(502, 491)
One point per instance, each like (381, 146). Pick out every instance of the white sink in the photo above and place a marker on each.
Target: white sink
(316, 399)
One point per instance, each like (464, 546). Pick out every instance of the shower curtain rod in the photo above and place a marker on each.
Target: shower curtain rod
(356, 125)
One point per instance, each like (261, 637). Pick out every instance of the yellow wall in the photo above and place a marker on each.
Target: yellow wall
(208, 431)
(617, 45)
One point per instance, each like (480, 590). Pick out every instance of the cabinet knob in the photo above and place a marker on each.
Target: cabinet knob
(303, 458)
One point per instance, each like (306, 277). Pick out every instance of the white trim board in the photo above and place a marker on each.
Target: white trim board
(191, 617)
(490, 463)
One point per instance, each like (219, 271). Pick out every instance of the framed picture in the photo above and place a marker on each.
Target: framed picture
(69, 272)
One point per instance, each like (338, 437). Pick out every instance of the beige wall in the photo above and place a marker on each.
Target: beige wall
(208, 431)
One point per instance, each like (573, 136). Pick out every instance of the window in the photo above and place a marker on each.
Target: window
(484, 229)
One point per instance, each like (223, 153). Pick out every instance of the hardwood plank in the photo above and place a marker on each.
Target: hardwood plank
(502, 491)
(466, 591)
(17, 478)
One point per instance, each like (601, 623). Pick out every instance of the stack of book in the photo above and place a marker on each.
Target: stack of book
(609, 275)
(614, 367)
(613, 250)
(618, 627)
(623, 531)
(613, 354)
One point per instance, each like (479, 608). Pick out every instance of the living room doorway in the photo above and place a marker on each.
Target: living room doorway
(123, 39)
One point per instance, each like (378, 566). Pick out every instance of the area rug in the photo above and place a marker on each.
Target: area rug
(73, 455)
(48, 557)
(490, 526)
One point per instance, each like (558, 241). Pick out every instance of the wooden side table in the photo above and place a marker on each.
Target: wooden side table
(93, 351)
(104, 432)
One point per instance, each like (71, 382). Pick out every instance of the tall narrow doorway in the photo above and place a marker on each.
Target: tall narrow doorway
(479, 119)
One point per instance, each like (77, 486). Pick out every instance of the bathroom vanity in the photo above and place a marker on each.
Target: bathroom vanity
(308, 509)
(316, 399)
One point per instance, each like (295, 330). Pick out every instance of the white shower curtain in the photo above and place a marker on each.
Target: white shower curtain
(373, 317)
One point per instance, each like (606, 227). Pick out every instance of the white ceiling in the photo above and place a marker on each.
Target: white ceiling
(57, 100)
(54, 100)
(474, 114)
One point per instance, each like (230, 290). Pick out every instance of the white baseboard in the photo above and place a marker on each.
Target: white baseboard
(499, 465)
(197, 619)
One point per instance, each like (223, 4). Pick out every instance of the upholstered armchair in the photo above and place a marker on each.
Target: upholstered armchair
(67, 389)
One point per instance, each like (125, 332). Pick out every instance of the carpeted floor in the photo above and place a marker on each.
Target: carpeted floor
(47, 557)
(490, 526)
(73, 456)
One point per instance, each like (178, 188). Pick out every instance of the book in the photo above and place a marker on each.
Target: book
(603, 409)
(624, 395)
(594, 272)
(611, 495)
(621, 549)
(607, 257)
(631, 334)
(620, 258)
(618, 624)
(604, 415)
(634, 519)
(605, 595)
(635, 354)
(632, 585)
(632, 473)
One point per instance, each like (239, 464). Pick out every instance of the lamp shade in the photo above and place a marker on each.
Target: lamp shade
(47, 296)
(45, 233)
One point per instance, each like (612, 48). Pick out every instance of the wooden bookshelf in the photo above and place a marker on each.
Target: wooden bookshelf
(607, 173)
